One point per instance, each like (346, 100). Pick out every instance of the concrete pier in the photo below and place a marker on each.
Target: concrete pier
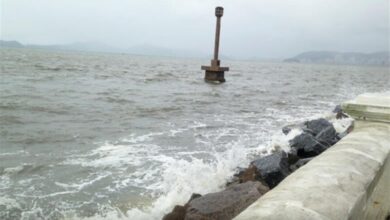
(351, 180)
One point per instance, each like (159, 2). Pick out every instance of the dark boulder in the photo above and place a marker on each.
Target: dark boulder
(339, 112)
(292, 156)
(307, 146)
(341, 115)
(248, 174)
(327, 136)
(317, 136)
(244, 175)
(342, 135)
(239, 171)
(302, 140)
(316, 126)
(286, 130)
(300, 163)
(225, 204)
(179, 212)
(337, 109)
(272, 169)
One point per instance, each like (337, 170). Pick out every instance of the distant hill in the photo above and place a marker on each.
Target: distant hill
(330, 57)
(147, 50)
(326, 57)
(74, 46)
(79, 46)
(13, 44)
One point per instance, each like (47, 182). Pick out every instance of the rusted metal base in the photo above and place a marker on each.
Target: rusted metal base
(215, 76)
(214, 73)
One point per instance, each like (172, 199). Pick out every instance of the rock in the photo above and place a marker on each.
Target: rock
(339, 136)
(341, 115)
(286, 130)
(339, 112)
(244, 175)
(327, 136)
(318, 135)
(225, 204)
(272, 169)
(316, 126)
(337, 109)
(239, 171)
(300, 163)
(343, 134)
(292, 156)
(302, 140)
(232, 181)
(307, 146)
(248, 175)
(179, 212)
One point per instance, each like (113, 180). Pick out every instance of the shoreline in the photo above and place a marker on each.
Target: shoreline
(265, 172)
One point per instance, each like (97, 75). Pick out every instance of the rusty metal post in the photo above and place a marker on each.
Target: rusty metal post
(215, 73)
(217, 32)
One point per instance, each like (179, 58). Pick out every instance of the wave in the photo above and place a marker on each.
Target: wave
(22, 169)
(10, 120)
(59, 68)
(172, 178)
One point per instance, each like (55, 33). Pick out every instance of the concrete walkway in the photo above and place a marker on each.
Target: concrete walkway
(351, 180)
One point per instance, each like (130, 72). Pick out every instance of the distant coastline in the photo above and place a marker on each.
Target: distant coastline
(381, 58)
(143, 50)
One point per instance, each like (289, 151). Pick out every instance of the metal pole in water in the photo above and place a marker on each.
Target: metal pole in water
(214, 72)
(218, 13)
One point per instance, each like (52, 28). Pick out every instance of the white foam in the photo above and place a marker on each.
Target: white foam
(13, 170)
(173, 179)
(115, 155)
(13, 153)
(141, 138)
(342, 124)
(9, 203)
(181, 178)
(280, 141)
(80, 186)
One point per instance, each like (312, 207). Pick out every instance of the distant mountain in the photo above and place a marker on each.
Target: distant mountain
(330, 57)
(79, 46)
(326, 57)
(13, 44)
(147, 50)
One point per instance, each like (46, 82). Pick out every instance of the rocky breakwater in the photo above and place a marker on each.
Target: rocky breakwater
(265, 172)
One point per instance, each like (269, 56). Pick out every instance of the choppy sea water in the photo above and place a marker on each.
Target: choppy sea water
(107, 136)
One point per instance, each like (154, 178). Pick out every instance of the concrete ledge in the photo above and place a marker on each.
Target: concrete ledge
(369, 106)
(351, 180)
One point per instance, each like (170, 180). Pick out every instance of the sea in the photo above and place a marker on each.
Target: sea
(87, 135)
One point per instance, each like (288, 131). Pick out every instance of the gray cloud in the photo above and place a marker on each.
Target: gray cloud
(258, 28)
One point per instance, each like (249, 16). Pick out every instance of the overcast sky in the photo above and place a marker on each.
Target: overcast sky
(250, 28)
